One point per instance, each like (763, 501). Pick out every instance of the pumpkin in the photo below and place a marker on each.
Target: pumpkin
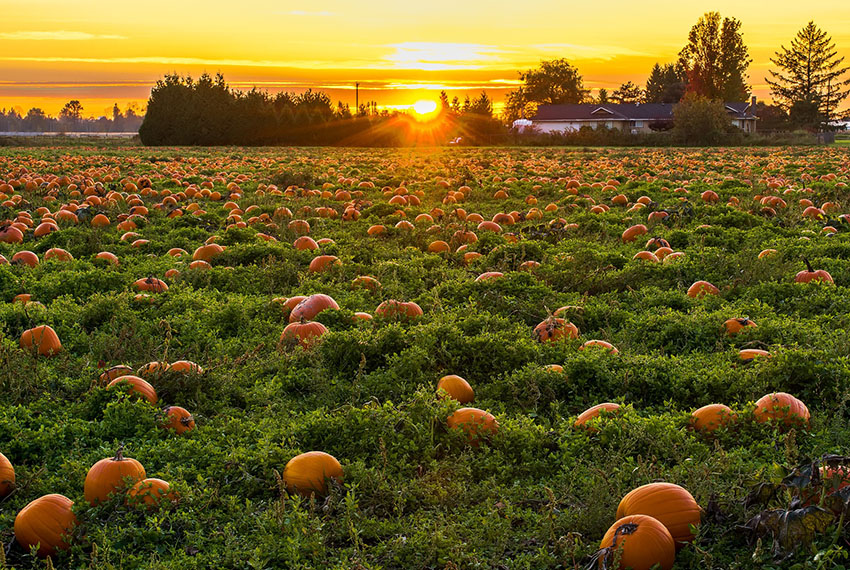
(305, 333)
(709, 418)
(25, 257)
(287, 304)
(207, 252)
(178, 419)
(58, 254)
(643, 541)
(149, 492)
(392, 309)
(305, 243)
(186, 367)
(153, 368)
(672, 505)
(309, 472)
(476, 424)
(750, 353)
(323, 263)
(600, 344)
(43, 338)
(107, 257)
(311, 306)
(701, 288)
(456, 388)
(7, 476)
(593, 412)
(366, 282)
(114, 372)
(734, 326)
(151, 284)
(553, 329)
(632, 233)
(137, 386)
(810, 275)
(46, 522)
(783, 408)
(110, 475)
(489, 275)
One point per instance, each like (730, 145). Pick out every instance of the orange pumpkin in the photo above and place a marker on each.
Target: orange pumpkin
(643, 543)
(810, 275)
(153, 368)
(309, 472)
(137, 386)
(783, 408)
(672, 505)
(600, 344)
(7, 476)
(186, 367)
(25, 257)
(392, 309)
(456, 388)
(179, 419)
(734, 326)
(311, 306)
(43, 338)
(110, 475)
(149, 492)
(115, 372)
(107, 257)
(304, 243)
(553, 329)
(151, 284)
(476, 424)
(632, 233)
(593, 413)
(207, 252)
(709, 418)
(323, 263)
(366, 282)
(701, 288)
(46, 522)
(305, 333)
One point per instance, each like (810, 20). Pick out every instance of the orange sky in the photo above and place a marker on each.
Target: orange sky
(104, 52)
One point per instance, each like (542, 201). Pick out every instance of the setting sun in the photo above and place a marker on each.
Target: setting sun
(424, 107)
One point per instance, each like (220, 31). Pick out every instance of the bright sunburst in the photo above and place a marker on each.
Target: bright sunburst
(424, 108)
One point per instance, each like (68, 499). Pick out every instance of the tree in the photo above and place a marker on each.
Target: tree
(72, 113)
(554, 82)
(602, 97)
(481, 105)
(628, 93)
(809, 81)
(36, 120)
(445, 106)
(698, 120)
(666, 84)
(771, 117)
(716, 59)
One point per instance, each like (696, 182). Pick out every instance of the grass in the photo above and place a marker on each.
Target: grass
(538, 494)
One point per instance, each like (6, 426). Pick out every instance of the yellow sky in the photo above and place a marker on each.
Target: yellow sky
(103, 52)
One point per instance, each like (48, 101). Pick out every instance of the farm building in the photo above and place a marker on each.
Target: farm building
(630, 117)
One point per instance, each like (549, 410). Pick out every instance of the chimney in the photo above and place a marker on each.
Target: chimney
(753, 104)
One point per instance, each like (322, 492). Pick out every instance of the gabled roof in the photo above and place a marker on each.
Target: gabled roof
(623, 112)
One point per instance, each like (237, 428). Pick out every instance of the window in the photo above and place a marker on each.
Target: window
(638, 124)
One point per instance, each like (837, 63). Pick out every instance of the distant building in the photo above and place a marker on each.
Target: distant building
(630, 117)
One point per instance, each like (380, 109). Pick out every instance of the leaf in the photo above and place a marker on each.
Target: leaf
(790, 529)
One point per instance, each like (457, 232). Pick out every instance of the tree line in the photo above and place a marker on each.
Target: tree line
(206, 111)
(807, 83)
(71, 119)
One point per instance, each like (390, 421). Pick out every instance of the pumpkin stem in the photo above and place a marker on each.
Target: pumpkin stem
(187, 421)
(808, 265)
(625, 529)
(119, 455)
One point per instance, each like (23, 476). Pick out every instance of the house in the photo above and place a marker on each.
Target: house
(631, 117)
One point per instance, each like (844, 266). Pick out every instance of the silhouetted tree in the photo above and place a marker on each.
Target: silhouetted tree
(716, 59)
(666, 84)
(698, 120)
(809, 81)
(628, 93)
(553, 82)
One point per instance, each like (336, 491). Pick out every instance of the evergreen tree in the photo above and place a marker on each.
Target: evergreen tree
(809, 81)
(666, 84)
(628, 93)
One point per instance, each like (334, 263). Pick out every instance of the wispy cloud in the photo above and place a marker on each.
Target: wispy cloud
(439, 56)
(58, 35)
(322, 13)
(598, 52)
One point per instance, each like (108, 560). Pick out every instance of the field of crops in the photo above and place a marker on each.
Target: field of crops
(521, 261)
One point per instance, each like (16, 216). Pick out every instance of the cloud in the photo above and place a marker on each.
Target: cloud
(438, 56)
(322, 13)
(58, 35)
(583, 52)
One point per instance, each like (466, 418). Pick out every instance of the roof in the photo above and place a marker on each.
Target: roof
(622, 112)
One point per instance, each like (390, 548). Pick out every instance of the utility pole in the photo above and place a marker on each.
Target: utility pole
(357, 97)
